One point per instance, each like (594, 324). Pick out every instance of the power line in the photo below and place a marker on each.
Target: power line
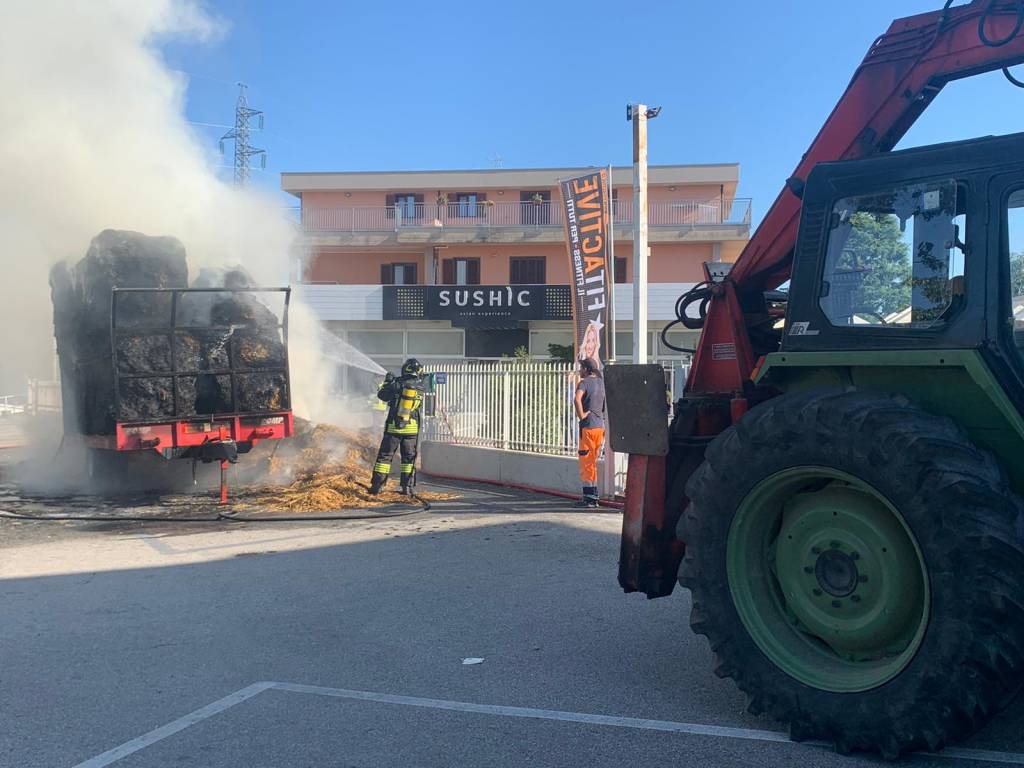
(209, 125)
(240, 136)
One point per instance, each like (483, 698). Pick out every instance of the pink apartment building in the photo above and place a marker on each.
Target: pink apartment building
(392, 252)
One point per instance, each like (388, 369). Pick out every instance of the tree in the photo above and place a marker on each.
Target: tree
(561, 352)
(875, 247)
(1017, 273)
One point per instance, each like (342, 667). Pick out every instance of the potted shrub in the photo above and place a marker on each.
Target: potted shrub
(537, 198)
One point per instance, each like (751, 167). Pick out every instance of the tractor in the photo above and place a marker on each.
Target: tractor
(841, 487)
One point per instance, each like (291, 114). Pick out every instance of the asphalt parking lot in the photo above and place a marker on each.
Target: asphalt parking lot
(343, 644)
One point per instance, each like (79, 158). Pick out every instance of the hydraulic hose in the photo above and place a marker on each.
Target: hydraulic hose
(983, 35)
(986, 40)
(701, 292)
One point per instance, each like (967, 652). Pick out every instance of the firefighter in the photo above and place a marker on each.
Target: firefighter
(589, 402)
(404, 398)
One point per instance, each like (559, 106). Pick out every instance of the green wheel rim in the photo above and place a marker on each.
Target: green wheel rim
(828, 579)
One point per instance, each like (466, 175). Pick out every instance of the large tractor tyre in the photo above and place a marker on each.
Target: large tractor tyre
(857, 567)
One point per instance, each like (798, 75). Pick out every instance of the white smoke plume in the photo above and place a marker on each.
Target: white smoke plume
(93, 136)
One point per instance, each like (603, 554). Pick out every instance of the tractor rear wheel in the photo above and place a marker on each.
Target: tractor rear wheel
(857, 566)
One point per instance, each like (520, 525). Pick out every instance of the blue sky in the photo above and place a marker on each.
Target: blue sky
(422, 85)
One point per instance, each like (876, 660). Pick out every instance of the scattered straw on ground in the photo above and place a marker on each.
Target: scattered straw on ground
(324, 468)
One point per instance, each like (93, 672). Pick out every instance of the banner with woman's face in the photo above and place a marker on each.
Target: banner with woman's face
(586, 201)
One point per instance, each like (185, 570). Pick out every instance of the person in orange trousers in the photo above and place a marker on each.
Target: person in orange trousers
(589, 402)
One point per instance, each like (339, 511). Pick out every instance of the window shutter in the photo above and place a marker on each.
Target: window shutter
(473, 271)
(515, 271)
(413, 277)
(389, 202)
(448, 271)
(387, 274)
(620, 270)
(542, 270)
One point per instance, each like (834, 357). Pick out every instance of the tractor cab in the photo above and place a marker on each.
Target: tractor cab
(921, 249)
(908, 276)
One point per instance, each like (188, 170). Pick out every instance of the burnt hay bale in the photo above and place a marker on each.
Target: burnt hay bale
(200, 350)
(204, 395)
(81, 313)
(261, 392)
(137, 354)
(211, 332)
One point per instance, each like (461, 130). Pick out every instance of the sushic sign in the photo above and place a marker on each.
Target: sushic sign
(587, 235)
(480, 306)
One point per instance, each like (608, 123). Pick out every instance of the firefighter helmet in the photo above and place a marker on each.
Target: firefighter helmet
(412, 367)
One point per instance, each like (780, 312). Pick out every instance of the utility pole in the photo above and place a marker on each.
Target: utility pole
(240, 135)
(640, 114)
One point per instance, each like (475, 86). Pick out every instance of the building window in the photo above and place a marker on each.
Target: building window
(621, 212)
(398, 274)
(435, 343)
(529, 270)
(620, 270)
(408, 205)
(624, 345)
(378, 342)
(535, 206)
(468, 204)
(540, 341)
(460, 272)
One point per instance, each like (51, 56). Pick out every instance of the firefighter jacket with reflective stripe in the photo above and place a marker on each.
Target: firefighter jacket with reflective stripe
(404, 397)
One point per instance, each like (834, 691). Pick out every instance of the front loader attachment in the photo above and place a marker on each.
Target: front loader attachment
(638, 412)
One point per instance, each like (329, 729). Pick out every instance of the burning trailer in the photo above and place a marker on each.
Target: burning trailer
(149, 363)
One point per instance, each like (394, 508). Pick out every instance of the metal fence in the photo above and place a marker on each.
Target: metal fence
(677, 213)
(516, 405)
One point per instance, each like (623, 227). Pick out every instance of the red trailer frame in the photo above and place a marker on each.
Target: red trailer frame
(201, 437)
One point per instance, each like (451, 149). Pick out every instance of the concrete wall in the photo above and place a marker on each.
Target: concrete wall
(358, 268)
(553, 473)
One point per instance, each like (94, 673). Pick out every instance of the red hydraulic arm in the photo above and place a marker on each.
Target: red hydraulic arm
(903, 71)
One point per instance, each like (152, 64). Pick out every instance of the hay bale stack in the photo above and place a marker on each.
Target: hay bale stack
(212, 333)
(81, 316)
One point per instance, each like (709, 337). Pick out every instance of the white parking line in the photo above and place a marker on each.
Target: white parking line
(692, 729)
(173, 727)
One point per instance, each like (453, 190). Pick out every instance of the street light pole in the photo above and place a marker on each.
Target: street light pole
(639, 114)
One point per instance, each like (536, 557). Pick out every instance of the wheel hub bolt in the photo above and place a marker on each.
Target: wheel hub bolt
(855, 598)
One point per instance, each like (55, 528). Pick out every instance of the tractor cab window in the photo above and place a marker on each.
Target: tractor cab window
(895, 259)
(1015, 252)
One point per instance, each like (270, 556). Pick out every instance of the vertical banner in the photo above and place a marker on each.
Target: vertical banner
(586, 200)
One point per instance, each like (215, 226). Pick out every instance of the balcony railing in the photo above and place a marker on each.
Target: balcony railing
(677, 213)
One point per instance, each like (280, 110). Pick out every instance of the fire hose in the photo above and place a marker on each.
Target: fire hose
(220, 517)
